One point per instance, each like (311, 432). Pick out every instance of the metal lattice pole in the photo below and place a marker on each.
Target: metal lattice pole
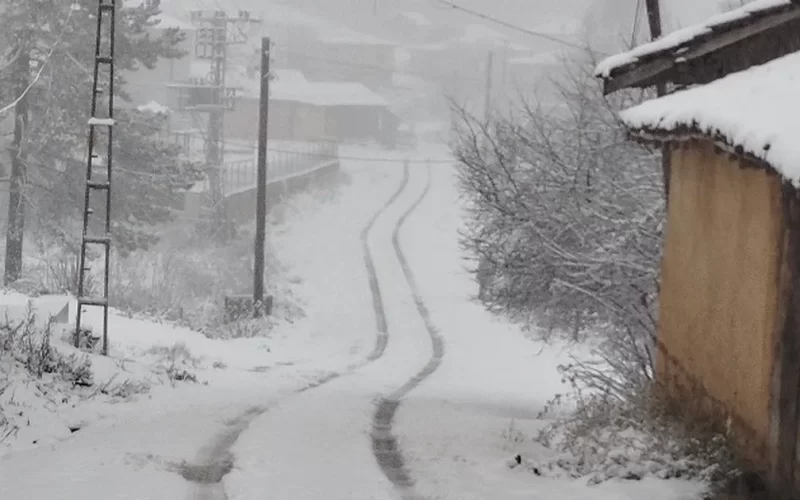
(98, 169)
(217, 32)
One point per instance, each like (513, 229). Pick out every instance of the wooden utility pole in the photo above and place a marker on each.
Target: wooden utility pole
(654, 20)
(261, 183)
(15, 232)
(487, 110)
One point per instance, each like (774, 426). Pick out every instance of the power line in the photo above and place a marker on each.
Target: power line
(487, 17)
(42, 66)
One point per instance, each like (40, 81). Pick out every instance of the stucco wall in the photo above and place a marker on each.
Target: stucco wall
(719, 287)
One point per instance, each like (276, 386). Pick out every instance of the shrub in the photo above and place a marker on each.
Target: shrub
(25, 343)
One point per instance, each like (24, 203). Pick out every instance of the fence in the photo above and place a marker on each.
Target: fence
(284, 161)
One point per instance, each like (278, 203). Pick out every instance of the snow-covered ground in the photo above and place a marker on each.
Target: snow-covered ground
(291, 413)
(462, 427)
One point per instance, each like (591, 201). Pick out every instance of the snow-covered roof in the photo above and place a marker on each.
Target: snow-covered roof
(417, 18)
(343, 35)
(755, 111)
(166, 21)
(679, 38)
(345, 94)
(154, 107)
(292, 85)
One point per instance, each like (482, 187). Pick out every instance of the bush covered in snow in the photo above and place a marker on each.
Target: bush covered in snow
(29, 359)
(609, 438)
(26, 343)
(186, 279)
(565, 226)
(566, 223)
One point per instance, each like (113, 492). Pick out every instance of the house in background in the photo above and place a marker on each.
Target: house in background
(729, 319)
(292, 112)
(326, 51)
(353, 113)
(302, 110)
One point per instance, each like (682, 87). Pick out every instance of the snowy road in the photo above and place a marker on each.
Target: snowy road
(324, 448)
(395, 386)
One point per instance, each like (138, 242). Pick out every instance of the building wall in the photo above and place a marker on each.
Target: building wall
(287, 121)
(719, 291)
(354, 123)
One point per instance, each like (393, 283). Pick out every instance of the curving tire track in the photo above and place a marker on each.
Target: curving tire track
(215, 460)
(384, 443)
(374, 286)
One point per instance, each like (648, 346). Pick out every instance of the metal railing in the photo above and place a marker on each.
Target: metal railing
(284, 161)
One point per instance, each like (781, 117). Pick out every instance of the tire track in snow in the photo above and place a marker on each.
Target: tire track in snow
(215, 460)
(384, 443)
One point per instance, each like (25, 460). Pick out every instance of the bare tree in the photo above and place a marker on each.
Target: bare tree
(566, 224)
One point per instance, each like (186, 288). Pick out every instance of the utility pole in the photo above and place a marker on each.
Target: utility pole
(15, 232)
(261, 186)
(213, 38)
(654, 21)
(98, 170)
(487, 110)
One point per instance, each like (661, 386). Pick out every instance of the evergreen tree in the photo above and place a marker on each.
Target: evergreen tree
(59, 38)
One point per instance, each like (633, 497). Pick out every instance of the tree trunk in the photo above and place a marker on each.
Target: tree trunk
(16, 201)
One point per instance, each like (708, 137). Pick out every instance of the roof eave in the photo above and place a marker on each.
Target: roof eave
(685, 134)
(662, 67)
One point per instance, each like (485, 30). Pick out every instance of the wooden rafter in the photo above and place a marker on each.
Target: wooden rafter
(662, 67)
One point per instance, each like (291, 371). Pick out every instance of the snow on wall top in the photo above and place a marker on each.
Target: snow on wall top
(757, 109)
(682, 36)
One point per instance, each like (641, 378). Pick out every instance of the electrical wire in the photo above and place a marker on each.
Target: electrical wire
(42, 66)
(520, 29)
(270, 149)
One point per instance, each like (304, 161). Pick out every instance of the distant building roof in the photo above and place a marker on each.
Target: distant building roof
(154, 107)
(417, 18)
(753, 112)
(165, 21)
(342, 35)
(291, 85)
(344, 94)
